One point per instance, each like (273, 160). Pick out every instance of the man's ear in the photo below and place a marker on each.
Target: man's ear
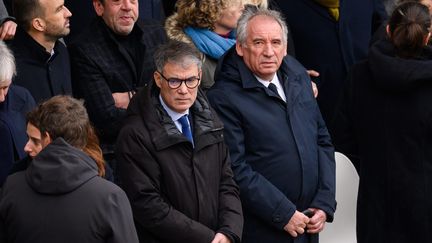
(158, 79)
(426, 40)
(46, 139)
(38, 24)
(388, 31)
(98, 6)
(239, 49)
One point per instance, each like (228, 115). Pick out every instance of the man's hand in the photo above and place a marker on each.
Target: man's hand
(317, 222)
(297, 224)
(220, 238)
(313, 74)
(121, 99)
(7, 30)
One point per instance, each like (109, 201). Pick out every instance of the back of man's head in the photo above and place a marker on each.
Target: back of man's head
(62, 116)
(25, 11)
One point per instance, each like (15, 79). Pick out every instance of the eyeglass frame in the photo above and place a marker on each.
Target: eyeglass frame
(169, 80)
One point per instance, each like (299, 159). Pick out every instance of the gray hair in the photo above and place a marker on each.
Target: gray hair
(251, 13)
(178, 53)
(7, 63)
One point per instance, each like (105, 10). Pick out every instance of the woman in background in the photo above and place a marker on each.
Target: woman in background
(210, 26)
(387, 131)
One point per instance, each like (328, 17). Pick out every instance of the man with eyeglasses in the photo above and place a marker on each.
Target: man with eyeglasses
(172, 160)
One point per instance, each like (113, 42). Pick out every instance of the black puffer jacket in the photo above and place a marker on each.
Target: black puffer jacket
(178, 193)
(60, 198)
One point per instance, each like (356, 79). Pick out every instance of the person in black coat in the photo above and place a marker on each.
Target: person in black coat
(15, 102)
(61, 197)
(83, 13)
(331, 44)
(173, 163)
(111, 60)
(387, 131)
(42, 60)
(281, 152)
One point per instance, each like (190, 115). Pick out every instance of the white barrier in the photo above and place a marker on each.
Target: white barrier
(342, 230)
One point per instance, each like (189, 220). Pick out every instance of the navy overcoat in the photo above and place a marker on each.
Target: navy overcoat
(282, 156)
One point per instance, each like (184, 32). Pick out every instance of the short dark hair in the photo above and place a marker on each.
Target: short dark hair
(25, 11)
(176, 52)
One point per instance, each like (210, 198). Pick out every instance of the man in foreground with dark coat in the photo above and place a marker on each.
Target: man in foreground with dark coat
(173, 163)
(281, 152)
(60, 197)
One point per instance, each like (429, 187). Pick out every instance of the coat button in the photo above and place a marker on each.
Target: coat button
(277, 219)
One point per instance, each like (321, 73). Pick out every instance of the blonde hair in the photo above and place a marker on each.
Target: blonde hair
(201, 13)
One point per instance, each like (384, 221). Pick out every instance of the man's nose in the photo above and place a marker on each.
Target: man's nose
(127, 5)
(183, 89)
(2, 95)
(68, 13)
(27, 147)
(268, 50)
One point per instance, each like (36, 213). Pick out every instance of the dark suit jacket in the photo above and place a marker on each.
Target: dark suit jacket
(101, 66)
(42, 74)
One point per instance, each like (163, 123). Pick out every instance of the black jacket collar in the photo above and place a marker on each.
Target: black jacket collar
(36, 50)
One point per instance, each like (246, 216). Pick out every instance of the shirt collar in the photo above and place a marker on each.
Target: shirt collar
(266, 83)
(276, 82)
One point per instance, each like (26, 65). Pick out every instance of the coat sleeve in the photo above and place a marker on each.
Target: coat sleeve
(325, 196)
(139, 175)
(345, 140)
(259, 196)
(89, 83)
(4, 16)
(120, 219)
(230, 211)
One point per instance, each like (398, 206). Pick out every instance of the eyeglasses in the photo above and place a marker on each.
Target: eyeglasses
(174, 83)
